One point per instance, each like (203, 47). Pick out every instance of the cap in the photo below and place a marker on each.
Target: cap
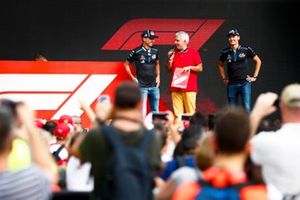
(290, 95)
(61, 131)
(149, 34)
(67, 119)
(39, 123)
(233, 32)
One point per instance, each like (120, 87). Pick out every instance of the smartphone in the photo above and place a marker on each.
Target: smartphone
(276, 103)
(104, 98)
(186, 117)
(160, 116)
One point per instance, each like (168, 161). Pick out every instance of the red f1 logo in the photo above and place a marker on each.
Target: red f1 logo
(129, 35)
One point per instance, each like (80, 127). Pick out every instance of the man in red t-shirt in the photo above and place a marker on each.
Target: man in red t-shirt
(184, 63)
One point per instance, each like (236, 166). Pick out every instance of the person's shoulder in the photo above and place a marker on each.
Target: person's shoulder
(192, 49)
(244, 47)
(254, 191)
(137, 49)
(226, 50)
(187, 190)
(154, 48)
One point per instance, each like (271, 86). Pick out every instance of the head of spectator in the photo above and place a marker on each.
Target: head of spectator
(199, 118)
(66, 119)
(50, 126)
(232, 131)
(189, 141)
(290, 103)
(77, 123)
(127, 97)
(40, 57)
(181, 40)
(61, 131)
(6, 123)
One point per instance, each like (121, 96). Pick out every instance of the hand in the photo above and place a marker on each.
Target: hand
(264, 104)
(186, 69)
(103, 110)
(135, 80)
(157, 81)
(225, 81)
(171, 55)
(250, 78)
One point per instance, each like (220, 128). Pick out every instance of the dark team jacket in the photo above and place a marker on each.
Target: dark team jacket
(144, 61)
(237, 63)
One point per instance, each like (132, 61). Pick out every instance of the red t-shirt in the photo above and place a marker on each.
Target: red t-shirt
(190, 57)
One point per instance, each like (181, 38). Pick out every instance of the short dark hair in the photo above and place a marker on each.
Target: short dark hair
(127, 95)
(232, 130)
(6, 123)
(50, 126)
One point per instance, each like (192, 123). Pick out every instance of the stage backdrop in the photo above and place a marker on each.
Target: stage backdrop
(86, 42)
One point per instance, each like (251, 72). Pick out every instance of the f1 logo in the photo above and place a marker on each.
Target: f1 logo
(129, 35)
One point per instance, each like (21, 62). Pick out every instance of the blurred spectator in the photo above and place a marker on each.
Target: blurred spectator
(278, 151)
(78, 176)
(31, 182)
(127, 123)
(40, 57)
(231, 144)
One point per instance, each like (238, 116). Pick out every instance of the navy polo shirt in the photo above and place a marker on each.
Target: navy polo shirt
(144, 61)
(237, 63)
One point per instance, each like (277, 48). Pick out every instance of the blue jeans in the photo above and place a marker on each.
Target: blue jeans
(243, 89)
(153, 94)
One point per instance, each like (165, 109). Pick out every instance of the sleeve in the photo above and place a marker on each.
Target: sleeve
(155, 152)
(157, 55)
(250, 52)
(186, 191)
(222, 56)
(197, 58)
(259, 145)
(88, 144)
(131, 56)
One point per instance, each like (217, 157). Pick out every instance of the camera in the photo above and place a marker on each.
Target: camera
(159, 116)
(186, 117)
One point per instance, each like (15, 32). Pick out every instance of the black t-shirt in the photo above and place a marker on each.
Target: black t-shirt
(237, 63)
(144, 61)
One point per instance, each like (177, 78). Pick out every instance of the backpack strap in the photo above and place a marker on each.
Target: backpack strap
(56, 153)
(238, 186)
(111, 134)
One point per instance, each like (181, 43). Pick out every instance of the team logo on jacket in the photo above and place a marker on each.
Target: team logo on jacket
(242, 55)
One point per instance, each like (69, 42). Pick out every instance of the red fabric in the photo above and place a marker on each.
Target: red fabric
(220, 178)
(183, 59)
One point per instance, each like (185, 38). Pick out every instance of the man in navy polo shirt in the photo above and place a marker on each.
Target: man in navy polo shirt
(145, 59)
(238, 79)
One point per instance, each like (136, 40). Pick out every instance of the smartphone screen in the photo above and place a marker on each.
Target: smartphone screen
(159, 116)
(186, 117)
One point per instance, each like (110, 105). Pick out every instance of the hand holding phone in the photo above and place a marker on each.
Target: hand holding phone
(104, 98)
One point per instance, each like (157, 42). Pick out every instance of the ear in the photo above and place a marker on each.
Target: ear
(248, 148)
(213, 143)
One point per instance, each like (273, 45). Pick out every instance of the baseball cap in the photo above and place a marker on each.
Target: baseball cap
(149, 34)
(61, 131)
(67, 119)
(290, 95)
(233, 32)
